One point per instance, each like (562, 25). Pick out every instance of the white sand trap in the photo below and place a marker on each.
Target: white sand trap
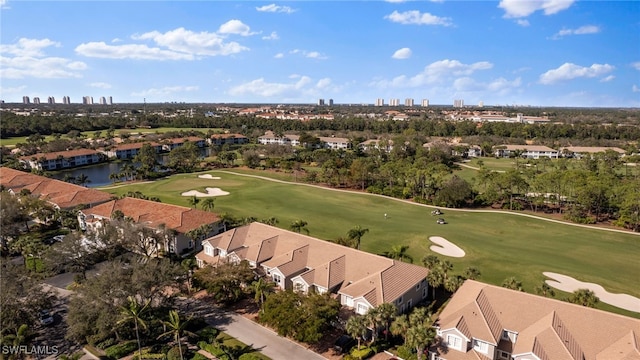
(210, 192)
(445, 247)
(209, 176)
(569, 284)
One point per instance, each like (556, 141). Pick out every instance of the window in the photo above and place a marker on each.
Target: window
(505, 335)
(400, 300)
(190, 246)
(454, 342)
(409, 303)
(362, 309)
(424, 293)
(504, 354)
(298, 287)
(418, 287)
(276, 278)
(480, 346)
(208, 250)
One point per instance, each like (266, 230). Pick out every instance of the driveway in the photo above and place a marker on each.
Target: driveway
(250, 333)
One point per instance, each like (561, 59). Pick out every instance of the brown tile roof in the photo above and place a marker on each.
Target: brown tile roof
(226, 136)
(153, 214)
(549, 328)
(130, 146)
(592, 149)
(60, 193)
(323, 263)
(528, 147)
(64, 154)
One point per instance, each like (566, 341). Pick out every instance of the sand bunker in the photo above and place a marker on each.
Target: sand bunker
(209, 176)
(569, 284)
(210, 192)
(445, 247)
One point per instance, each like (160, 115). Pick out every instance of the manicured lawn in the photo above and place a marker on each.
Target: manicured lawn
(500, 245)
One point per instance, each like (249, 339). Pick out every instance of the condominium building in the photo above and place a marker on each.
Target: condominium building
(103, 100)
(408, 102)
(66, 100)
(394, 102)
(87, 100)
(379, 102)
(25, 100)
(110, 102)
(330, 102)
(425, 102)
(51, 100)
(458, 103)
(320, 102)
(36, 100)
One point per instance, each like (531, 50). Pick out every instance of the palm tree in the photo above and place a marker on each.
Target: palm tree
(435, 279)
(114, 176)
(400, 326)
(445, 266)
(356, 327)
(399, 252)
(386, 313)
(472, 273)
(261, 288)
(453, 283)
(193, 201)
(584, 297)
(512, 283)
(420, 337)
(82, 179)
(176, 327)
(20, 337)
(373, 319)
(270, 221)
(208, 204)
(430, 261)
(356, 234)
(134, 311)
(299, 226)
(545, 290)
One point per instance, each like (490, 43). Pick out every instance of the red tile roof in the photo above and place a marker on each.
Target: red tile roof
(64, 154)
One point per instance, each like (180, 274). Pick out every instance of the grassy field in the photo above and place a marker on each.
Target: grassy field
(500, 245)
(90, 134)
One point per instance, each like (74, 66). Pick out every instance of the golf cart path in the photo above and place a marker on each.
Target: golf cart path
(429, 206)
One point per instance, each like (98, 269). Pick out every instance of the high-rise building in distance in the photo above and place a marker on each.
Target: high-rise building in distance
(379, 102)
(481, 104)
(103, 100)
(51, 100)
(66, 100)
(25, 100)
(36, 100)
(320, 102)
(425, 102)
(408, 102)
(87, 100)
(330, 102)
(110, 102)
(458, 103)
(394, 102)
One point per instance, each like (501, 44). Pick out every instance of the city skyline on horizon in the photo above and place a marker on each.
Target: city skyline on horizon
(569, 53)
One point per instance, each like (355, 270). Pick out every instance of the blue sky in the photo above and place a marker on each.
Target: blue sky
(540, 53)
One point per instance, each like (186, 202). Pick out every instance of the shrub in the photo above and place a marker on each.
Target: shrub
(363, 353)
(121, 350)
(198, 356)
(174, 353)
(253, 356)
(106, 343)
(208, 334)
(406, 353)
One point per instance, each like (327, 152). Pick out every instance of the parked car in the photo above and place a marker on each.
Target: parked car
(46, 318)
(436, 212)
(441, 221)
(344, 344)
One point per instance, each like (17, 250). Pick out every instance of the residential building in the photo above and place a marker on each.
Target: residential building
(103, 100)
(128, 151)
(425, 102)
(87, 100)
(294, 261)
(158, 216)
(170, 144)
(25, 100)
(458, 103)
(335, 143)
(379, 102)
(51, 100)
(484, 321)
(36, 100)
(408, 102)
(60, 194)
(330, 102)
(270, 138)
(481, 104)
(231, 139)
(394, 102)
(526, 151)
(320, 102)
(377, 144)
(110, 100)
(66, 100)
(62, 159)
(581, 151)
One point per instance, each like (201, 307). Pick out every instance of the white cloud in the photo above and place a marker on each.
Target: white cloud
(436, 72)
(608, 78)
(635, 88)
(583, 30)
(309, 54)
(129, 51)
(279, 56)
(415, 17)
(262, 88)
(275, 8)
(27, 59)
(164, 91)
(272, 36)
(12, 90)
(403, 53)
(636, 65)
(524, 8)
(100, 85)
(236, 27)
(500, 85)
(28, 47)
(523, 22)
(323, 83)
(177, 44)
(568, 71)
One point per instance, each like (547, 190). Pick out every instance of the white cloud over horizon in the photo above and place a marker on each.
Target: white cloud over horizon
(569, 71)
(164, 91)
(401, 54)
(100, 85)
(30, 61)
(415, 17)
(236, 27)
(583, 30)
(520, 8)
(276, 9)
(436, 72)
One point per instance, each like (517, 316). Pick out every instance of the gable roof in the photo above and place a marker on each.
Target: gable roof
(60, 193)
(549, 328)
(153, 214)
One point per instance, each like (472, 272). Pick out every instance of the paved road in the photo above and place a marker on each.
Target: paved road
(250, 333)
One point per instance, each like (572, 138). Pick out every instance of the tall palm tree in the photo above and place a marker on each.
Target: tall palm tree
(399, 252)
(114, 176)
(430, 261)
(445, 266)
(545, 290)
(584, 297)
(193, 201)
(356, 234)
(82, 179)
(386, 313)
(420, 337)
(435, 279)
(299, 226)
(453, 283)
(261, 288)
(472, 273)
(400, 326)
(356, 327)
(512, 283)
(373, 319)
(176, 327)
(134, 312)
(208, 204)
(273, 221)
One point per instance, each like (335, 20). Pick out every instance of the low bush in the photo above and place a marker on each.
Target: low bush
(121, 350)
(254, 356)
(363, 353)
(406, 353)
